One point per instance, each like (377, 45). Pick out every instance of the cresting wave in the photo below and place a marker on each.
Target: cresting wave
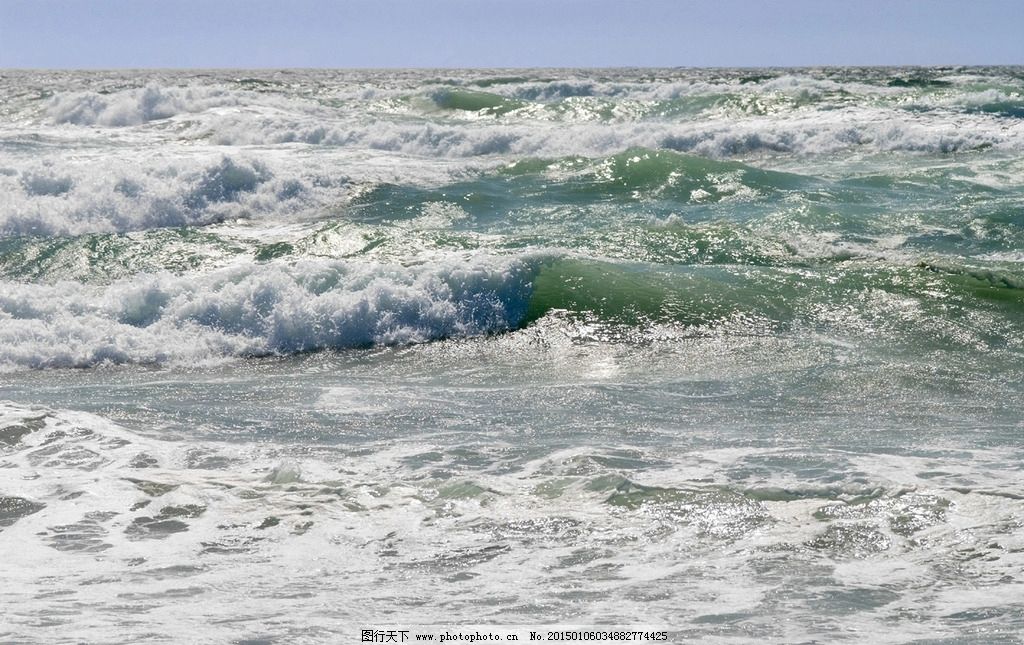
(137, 106)
(851, 129)
(278, 308)
(257, 310)
(58, 198)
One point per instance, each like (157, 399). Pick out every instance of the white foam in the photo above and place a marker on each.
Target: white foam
(141, 105)
(146, 521)
(124, 193)
(258, 310)
(991, 98)
(723, 135)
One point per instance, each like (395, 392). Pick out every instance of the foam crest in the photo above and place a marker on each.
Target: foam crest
(52, 197)
(259, 310)
(990, 101)
(719, 135)
(138, 106)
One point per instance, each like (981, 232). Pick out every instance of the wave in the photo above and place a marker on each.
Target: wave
(582, 132)
(990, 283)
(667, 174)
(632, 295)
(138, 106)
(995, 102)
(636, 175)
(898, 308)
(259, 309)
(274, 308)
(468, 101)
(71, 198)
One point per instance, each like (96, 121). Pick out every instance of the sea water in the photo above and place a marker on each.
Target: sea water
(285, 355)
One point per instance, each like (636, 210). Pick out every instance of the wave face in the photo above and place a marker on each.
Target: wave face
(720, 348)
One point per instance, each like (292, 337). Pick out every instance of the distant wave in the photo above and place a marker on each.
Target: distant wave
(728, 117)
(137, 106)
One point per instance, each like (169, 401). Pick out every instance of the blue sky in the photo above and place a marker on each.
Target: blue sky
(507, 33)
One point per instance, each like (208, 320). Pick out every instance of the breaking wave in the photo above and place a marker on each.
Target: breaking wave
(258, 310)
(76, 198)
(134, 107)
(720, 137)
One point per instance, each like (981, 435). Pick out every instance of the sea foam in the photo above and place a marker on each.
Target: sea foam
(137, 106)
(259, 310)
(57, 197)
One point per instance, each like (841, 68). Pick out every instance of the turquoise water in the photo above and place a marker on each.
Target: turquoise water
(286, 354)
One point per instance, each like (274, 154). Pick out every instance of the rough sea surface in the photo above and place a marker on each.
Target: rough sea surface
(285, 355)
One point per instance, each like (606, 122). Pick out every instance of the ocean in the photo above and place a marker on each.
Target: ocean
(732, 353)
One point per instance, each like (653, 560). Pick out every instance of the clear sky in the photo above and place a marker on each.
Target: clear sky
(507, 33)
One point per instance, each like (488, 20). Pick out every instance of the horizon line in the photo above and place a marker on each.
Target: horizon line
(512, 68)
